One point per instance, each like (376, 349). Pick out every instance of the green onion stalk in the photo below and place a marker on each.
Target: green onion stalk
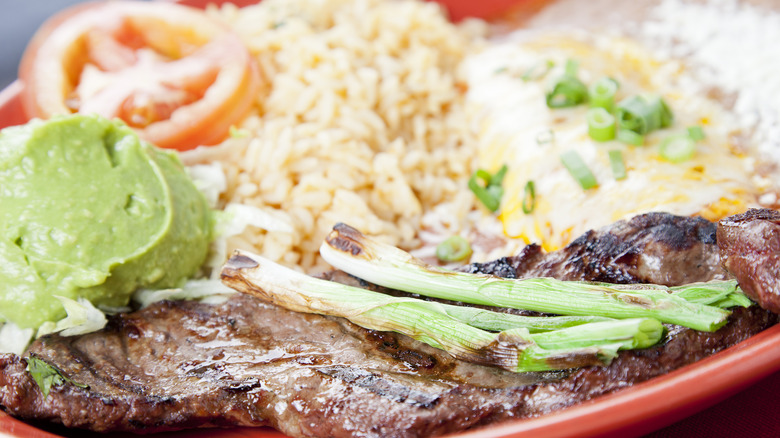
(630, 137)
(677, 148)
(696, 133)
(567, 90)
(601, 93)
(572, 161)
(564, 343)
(453, 249)
(500, 321)
(617, 164)
(347, 249)
(723, 294)
(643, 113)
(491, 192)
(601, 124)
(529, 197)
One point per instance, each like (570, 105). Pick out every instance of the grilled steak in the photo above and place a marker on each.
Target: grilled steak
(657, 248)
(750, 248)
(187, 364)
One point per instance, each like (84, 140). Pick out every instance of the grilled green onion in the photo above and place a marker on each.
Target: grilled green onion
(601, 124)
(347, 249)
(643, 113)
(677, 148)
(601, 93)
(721, 294)
(453, 249)
(515, 349)
(578, 169)
(617, 164)
(733, 300)
(499, 321)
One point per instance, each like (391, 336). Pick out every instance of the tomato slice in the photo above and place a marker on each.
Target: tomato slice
(174, 74)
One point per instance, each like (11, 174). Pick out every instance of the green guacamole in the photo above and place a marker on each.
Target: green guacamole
(87, 209)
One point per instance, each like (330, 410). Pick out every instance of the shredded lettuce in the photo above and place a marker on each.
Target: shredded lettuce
(82, 318)
(239, 216)
(14, 339)
(209, 291)
(210, 180)
(233, 221)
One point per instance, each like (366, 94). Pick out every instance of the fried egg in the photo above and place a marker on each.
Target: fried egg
(507, 83)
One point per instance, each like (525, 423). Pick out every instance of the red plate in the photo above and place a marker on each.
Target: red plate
(638, 410)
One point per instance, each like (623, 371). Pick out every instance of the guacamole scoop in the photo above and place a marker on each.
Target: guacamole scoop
(87, 209)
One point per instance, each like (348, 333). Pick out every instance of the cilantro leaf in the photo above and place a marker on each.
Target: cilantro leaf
(47, 376)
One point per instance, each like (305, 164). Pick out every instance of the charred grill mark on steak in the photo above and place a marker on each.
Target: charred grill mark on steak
(387, 342)
(188, 364)
(381, 386)
(750, 249)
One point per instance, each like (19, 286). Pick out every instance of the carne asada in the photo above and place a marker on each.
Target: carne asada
(245, 362)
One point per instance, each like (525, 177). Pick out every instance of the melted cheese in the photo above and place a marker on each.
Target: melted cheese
(517, 128)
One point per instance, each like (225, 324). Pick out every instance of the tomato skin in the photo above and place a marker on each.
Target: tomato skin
(175, 75)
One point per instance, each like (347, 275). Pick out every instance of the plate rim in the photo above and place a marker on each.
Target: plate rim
(696, 386)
